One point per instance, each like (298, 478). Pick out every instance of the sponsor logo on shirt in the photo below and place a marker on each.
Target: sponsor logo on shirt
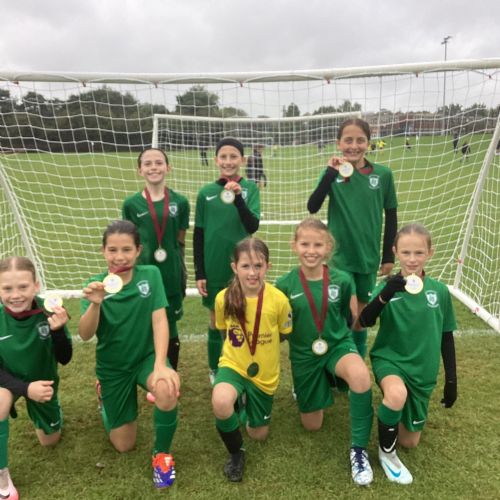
(5, 337)
(432, 298)
(289, 321)
(374, 181)
(295, 295)
(235, 336)
(173, 209)
(142, 214)
(210, 198)
(144, 288)
(333, 293)
(418, 422)
(43, 330)
(339, 180)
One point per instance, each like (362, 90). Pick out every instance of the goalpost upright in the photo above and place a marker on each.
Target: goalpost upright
(68, 143)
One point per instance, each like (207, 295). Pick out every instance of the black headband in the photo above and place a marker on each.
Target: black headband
(229, 141)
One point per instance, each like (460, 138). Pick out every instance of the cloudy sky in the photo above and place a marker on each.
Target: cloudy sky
(177, 36)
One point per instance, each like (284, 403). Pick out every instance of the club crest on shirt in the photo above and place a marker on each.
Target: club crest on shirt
(43, 330)
(333, 293)
(432, 298)
(244, 193)
(374, 181)
(144, 288)
(236, 336)
(173, 209)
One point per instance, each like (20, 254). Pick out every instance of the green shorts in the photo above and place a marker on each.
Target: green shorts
(119, 393)
(310, 378)
(46, 416)
(209, 300)
(417, 402)
(259, 405)
(364, 283)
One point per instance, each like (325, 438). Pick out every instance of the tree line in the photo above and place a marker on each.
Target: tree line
(106, 119)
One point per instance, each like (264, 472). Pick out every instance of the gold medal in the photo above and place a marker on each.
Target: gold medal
(160, 255)
(346, 169)
(112, 283)
(319, 347)
(52, 300)
(227, 196)
(414, 284)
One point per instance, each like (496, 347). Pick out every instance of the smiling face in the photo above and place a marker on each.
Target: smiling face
(153, 167)
(18, 289)
(353, 144)
(250, 270)
(229, 161)
(413, 251)
(120, 250)
(313, 248)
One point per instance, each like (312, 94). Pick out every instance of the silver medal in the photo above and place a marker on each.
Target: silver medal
(160, 255)
(319, 347)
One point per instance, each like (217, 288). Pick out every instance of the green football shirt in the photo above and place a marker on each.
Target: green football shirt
(222, 228)
(410, 331)
(125, 329)
(135, 209)
(355, 216)
(304, 331)
(26, 349)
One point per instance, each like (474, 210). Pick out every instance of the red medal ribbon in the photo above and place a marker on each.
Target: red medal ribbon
(252, 343)
(318, 321)
(227, 179)
(117, 270)
(160, 231)
(24, 314)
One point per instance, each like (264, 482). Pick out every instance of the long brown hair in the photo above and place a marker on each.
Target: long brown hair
(234, 298)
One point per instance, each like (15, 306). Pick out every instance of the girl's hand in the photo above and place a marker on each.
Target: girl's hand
(202, 287)
(171, 379)
(385, 269)
(335, 162)
(233, 186)
(41, 391)
(58, 319)
(94, 292)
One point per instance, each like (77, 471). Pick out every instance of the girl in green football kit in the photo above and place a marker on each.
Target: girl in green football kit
(321, 345)
(416, 326)
(227, 211)
(33, 340)
(162, 218)
(125, 309)
(360, 197)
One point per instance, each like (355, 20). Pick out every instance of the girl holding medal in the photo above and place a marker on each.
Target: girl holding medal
(32, 343)
(323, 304)
(126, 311)
(162, 218)
(227, 211)
(251, 314)
(416, 325)
(360, 194)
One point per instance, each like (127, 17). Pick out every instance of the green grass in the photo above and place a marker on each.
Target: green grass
(458, 456)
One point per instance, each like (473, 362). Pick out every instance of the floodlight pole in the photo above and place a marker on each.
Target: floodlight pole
(445, 42)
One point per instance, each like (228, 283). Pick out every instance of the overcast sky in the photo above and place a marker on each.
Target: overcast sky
(177, 36)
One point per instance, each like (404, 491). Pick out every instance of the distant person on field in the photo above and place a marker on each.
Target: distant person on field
(255, 166)
(407, 143)
(455, 142)
(465, 150)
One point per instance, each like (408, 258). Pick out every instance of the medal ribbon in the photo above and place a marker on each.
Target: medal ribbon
(252, 343)
(117, 270)
(225, 180)
(318, 321)
(24, 314)
(160, 231)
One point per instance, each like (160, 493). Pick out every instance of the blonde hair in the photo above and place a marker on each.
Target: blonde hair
(315, 225)
(234, 298)
(18, 264)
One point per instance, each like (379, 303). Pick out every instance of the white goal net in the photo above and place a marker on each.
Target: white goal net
(69, 142)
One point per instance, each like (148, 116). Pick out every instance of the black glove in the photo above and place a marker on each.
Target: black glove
(450, 393)
(394, 284)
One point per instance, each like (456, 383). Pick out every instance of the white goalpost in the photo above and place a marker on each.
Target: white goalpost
(69, 143)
